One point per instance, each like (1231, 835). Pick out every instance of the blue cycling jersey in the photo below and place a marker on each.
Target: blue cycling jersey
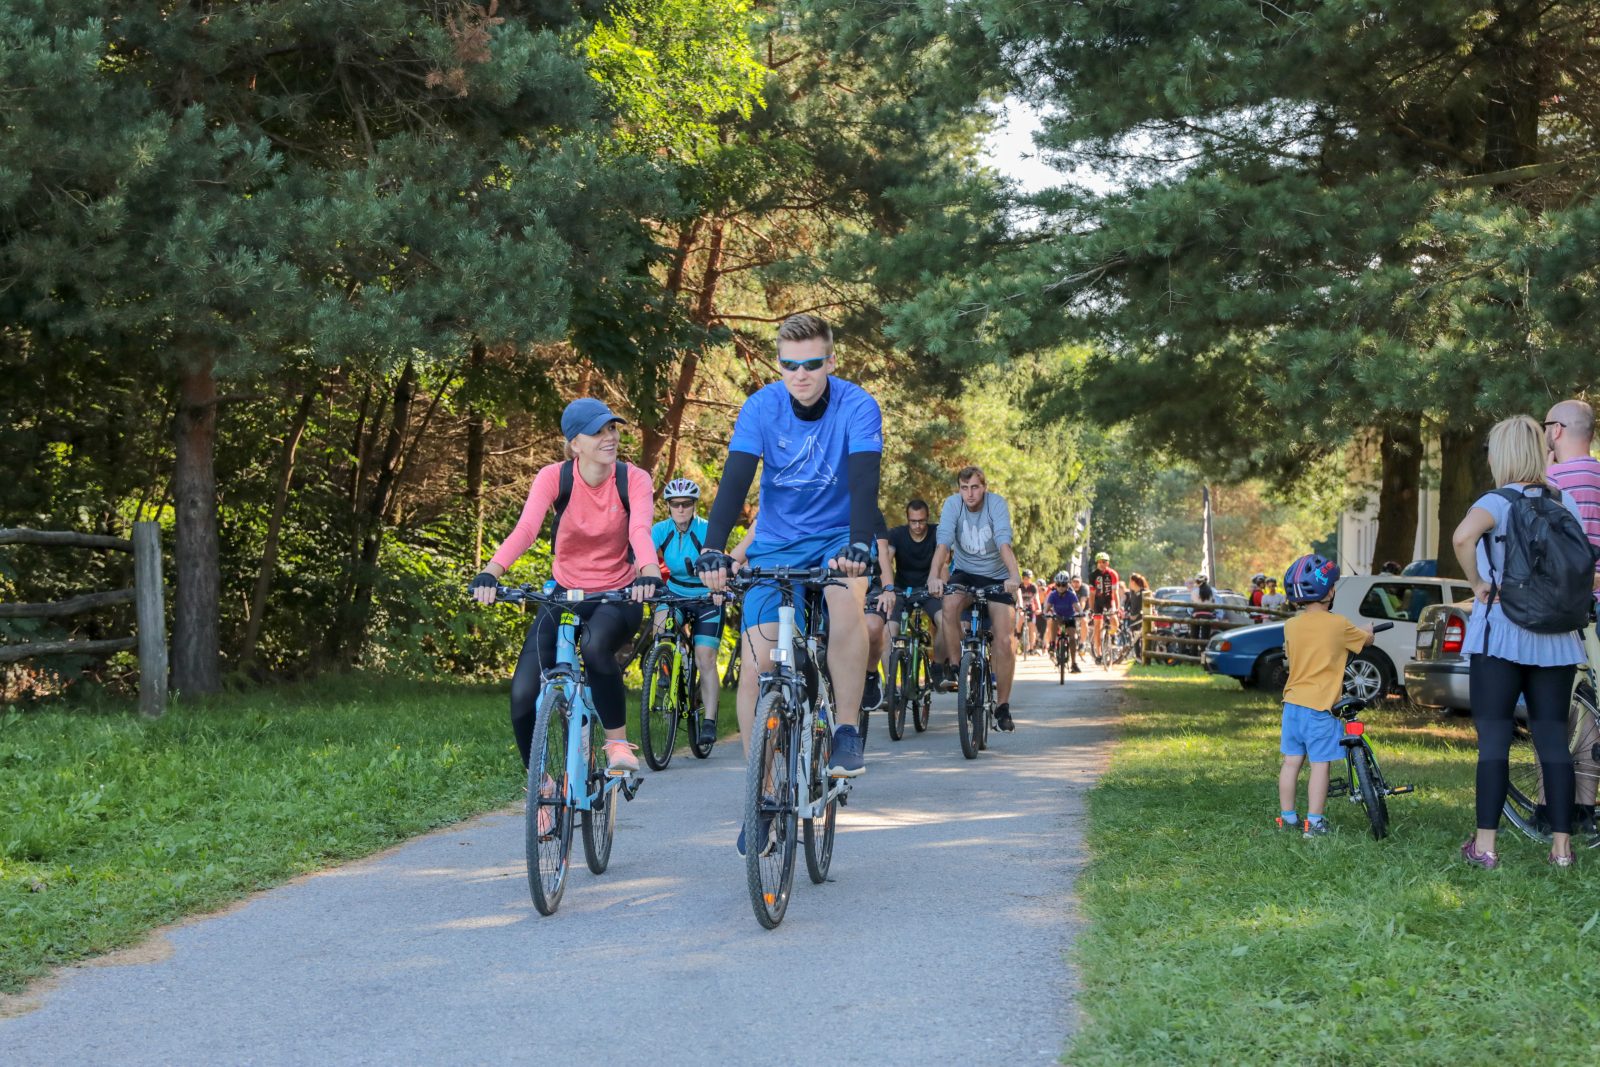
(1062, 604)
(678, 551)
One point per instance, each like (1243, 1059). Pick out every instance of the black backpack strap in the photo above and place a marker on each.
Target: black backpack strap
(627, 509)
(563, 494)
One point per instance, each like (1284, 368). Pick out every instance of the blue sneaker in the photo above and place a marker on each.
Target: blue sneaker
(768, 840)
(848, 759)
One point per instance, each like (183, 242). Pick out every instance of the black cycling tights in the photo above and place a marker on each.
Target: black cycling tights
(606, 628)
(1495, 685)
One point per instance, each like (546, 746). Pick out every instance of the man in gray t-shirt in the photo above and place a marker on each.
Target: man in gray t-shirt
(974, 537)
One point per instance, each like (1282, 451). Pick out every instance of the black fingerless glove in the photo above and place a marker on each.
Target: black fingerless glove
(484, 580)
(712, 560)
(857, 553)
(649, 584)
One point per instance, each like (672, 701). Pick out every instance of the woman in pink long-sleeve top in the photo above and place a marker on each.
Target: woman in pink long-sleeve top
(591, 553)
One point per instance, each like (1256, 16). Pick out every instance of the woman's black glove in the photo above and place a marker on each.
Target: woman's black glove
(485, 580)
(651, 585)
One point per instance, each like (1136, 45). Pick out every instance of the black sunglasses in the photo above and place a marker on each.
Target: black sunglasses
(803, 364)
(1554, 422)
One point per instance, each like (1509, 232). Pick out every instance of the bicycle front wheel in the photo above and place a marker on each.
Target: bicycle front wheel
(658, 706)
(1369, 785)
(770, 810)
(901, 690)
(922, 682)
(695, 717)
(547, 829)
(600, 821)
(819, 838)
(969, 703)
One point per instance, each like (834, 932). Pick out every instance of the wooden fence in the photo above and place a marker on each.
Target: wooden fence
(1149, 635)
(147, 596)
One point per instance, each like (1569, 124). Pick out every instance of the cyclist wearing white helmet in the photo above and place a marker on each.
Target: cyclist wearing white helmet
(679, 539)
(1062, 610)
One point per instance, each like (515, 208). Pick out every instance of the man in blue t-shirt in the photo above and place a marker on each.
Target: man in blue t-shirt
(819, 442)
(679, 539)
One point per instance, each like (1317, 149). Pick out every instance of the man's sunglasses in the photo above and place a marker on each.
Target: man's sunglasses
(1554, 422)
(803, 364)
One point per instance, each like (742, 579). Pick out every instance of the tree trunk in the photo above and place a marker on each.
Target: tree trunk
(352, 625)
(654, 438)
(477, 434)
(196, 606)
(269, 549)
(1397, 495)
(704, 313)
(1463, 477)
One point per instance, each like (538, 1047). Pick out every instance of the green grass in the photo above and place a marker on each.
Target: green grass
(111, 825)
(1214, 939)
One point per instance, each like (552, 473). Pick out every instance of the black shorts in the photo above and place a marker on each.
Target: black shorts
(705, 622)
(1102, 604)
(978, 581)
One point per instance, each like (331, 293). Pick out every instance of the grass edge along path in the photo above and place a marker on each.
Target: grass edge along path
(1212, 938)
(112, 825)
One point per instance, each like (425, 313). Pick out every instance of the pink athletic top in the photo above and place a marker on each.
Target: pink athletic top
(1579, 479)
(593, 551)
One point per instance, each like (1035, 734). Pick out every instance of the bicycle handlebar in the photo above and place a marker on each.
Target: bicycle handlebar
(524, 594)
(816, 576)
(977, 592)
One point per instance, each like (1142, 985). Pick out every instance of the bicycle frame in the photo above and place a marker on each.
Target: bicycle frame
(803, 712)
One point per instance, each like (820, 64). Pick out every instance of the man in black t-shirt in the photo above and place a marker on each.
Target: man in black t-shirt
(911, 550)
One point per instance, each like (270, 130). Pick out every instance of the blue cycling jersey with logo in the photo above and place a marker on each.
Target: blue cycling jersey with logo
(803, 464)
(679, 551)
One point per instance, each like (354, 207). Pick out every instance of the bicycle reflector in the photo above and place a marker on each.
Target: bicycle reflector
(1355, 729)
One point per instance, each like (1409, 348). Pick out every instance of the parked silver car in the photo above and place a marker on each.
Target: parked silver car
(1436, 675)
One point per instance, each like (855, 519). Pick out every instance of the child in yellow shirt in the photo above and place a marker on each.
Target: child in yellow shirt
(1316, 643)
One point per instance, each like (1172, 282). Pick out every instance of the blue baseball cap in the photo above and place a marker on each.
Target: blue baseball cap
(586, 415)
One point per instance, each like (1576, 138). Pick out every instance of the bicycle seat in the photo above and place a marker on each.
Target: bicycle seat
(1348, 707)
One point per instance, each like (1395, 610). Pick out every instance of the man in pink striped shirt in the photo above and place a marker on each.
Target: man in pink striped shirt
(1569, 431)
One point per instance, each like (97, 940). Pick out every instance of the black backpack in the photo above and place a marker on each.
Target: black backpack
(1548, 584)
(564, 493)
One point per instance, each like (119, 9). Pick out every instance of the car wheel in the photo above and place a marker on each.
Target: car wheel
(1272, 672)
(1366, 678)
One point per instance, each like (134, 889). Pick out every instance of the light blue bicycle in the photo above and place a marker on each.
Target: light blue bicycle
(564, 776)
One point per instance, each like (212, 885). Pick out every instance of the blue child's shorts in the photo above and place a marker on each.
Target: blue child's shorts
(1310, 733)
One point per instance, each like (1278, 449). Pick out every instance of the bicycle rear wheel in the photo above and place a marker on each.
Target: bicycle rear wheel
(819, 840)
(547, 817)
(901, 690)
(600, 821)
(770, 795)
(1369, 785)
(1525, 798)
(969, 703)
(658, 706)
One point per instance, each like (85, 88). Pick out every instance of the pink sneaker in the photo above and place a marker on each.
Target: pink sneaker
(1559, 861)
(620, 758)
(1487, 860)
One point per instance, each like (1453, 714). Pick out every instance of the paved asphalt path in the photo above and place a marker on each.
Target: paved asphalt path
(942, 937)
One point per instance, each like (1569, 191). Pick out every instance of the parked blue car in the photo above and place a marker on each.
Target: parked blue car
(1252, 654)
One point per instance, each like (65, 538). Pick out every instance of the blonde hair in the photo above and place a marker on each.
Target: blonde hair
(1517, 452)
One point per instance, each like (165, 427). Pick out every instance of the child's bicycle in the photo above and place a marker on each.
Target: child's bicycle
(1363, 783)
(564, 777)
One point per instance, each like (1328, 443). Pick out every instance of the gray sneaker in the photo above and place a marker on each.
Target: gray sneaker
(1309, 829)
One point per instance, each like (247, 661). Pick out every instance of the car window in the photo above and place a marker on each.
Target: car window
(1399, 601)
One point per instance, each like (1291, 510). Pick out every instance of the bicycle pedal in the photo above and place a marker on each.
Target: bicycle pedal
(1397, 790)
(630, 786)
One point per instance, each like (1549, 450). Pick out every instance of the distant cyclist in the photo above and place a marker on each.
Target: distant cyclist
(592, 542)
(1106, 599)
(1061, 611)
(679, 540)
(911, 550)
(1028, 606)
(975, 537)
